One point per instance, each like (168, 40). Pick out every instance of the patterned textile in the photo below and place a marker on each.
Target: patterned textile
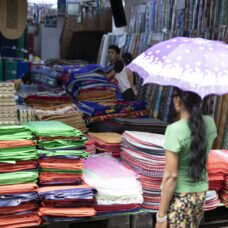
(143, 153)
(186, 210)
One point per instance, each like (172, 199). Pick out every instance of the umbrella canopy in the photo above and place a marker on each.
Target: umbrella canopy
(191, 64)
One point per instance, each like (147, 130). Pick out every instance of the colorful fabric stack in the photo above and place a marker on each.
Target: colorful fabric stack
(212, 201)
(90, 146)
(66, 203)
(64, 113)
(107, 143)
(55, 135)
(217, 169)
(60, 162)
(118, 189)
(88, 84)
(144, 153)
(18, 177)
(224, 193)
(8, 109)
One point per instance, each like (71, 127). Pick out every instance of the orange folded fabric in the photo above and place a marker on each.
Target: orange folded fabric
(64, 164)
(51, 176)
(15, 221)
(18, 166)
(54, 188)
(21, 208)
(16, 143)
(18, 188)
(67, 212)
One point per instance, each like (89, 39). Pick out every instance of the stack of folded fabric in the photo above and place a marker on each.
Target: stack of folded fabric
(66, 203)
(8, 109)
(217, 169)
(118, 189)
(65, 113)
(19, 205)
(55, 135)
(61, 167)
(224, 193)
(87, 83)
(107, 143)
(60, 162)
(97, 111)
(144, 153)
(90, 146)
(212, 201)
(18, 175)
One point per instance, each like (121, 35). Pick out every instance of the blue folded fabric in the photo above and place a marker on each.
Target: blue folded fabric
(77, 193)
(17, 199)
(59, 219)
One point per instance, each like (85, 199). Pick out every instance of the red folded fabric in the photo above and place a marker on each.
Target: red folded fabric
(16, 143)
(68, 178)
(118, 207)
(67, 203)
(18, 166)
(21, 208)
(64, 164)
(67, 212)
(53, 188)
(14, 221)
(18, 188)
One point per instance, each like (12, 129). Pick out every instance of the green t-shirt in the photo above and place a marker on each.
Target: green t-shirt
(178, 139)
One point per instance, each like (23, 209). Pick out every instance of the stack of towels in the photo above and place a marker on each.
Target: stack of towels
(18, 177)
(107, 143)
(118, 190)
(144, 153)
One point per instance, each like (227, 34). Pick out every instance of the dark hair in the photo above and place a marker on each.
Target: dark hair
(198, 147)
(127, 57)
(118, 66)
(27, 78)
(115, 48)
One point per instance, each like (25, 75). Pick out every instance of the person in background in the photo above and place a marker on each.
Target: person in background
(127, 58)
(113, 56)
(25, 79)
(185, 180)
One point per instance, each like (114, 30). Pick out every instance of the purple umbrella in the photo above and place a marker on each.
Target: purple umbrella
(192, 64)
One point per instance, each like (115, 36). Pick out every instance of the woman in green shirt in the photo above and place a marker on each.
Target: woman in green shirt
(185, 181)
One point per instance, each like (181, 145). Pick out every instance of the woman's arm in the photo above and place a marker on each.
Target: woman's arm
(168, 183)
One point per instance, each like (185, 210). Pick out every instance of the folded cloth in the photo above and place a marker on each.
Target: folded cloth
(18, 188)
(52, 129)
(18, 199)
(67, 203)
(64, 164)
(115, 183)
(16, 143)
(20, 220)
(111, 208)
(18, 166)
(67, 212)
(20, 177)
(76, 154)
(16, 154)
(28, 206)
(50, 178)
(109, 138)
(15, 132)
(66, 192)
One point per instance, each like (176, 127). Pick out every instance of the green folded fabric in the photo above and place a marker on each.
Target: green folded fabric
(15, 132)
(62, 171)
(21, 177)
(79, 153)
(52, 129)
(18, 154)
(59, 144)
